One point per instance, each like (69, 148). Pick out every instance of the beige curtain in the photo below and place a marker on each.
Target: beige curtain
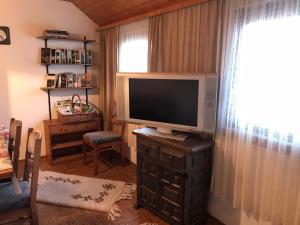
(185, 40)
(257, 151)
(133, 45)
(109, 42)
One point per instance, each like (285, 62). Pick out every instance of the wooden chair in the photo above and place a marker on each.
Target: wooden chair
(15, 130)
(19, 208)
(105, 141)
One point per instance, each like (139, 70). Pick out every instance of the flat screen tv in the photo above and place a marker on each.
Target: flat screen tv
(174, 101)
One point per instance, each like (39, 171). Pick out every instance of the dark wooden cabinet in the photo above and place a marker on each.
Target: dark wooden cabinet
(173, 177)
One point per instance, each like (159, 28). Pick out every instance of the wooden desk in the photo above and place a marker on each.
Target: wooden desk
(64, 140)
(6, 169)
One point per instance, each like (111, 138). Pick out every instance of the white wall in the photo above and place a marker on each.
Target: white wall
(21, 75)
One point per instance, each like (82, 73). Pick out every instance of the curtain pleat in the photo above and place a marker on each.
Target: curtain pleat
(109, 42)
(133, 44)
(185, 40)
(256, 168)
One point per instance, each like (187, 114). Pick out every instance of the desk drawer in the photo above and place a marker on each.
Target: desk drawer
(92, 125)
(62, 128)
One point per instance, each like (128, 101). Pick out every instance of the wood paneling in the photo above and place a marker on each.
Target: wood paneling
(108, 13)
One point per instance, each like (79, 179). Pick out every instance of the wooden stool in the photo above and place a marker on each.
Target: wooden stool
(105, 141)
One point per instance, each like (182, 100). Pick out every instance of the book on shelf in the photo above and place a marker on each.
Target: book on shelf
(56, 34)
(73, 56)
(69, 80)
(57, 56)
(77, 57)
(46, 55)
(78, 82)
(63, 56)
(66, 56)
(87, 80)
(82, 56)
(69, 56)
(52, 55)
(88, 57)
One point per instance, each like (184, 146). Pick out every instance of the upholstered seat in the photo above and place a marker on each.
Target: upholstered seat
(104, 141)
(9, 200)
(18, 208)
(101, 137)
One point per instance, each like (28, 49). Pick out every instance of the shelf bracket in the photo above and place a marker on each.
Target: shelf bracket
(49, 104)
(86, 96)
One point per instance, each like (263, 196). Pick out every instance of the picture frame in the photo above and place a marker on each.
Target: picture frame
(50, 81)
(4, 35)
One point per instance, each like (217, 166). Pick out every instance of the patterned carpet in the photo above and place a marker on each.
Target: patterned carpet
(83, 192)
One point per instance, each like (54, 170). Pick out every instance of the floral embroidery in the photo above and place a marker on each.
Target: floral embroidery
(86, 198)
(57, 179)
(108, 187)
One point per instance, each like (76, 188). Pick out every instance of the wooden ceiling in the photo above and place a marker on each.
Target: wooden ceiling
(109, 13)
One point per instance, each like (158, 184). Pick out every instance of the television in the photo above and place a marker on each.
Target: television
(168, 101)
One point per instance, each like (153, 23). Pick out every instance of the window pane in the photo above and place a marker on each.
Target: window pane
(133, 55)
(267, 86)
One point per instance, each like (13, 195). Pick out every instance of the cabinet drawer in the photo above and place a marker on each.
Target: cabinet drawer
(148, 197)
(60, 129)
(171, 211)
(171, 193)
(148, 168)
(148, 149)
(171, 158)
(148, 182)
(172, 178)
(87, 126)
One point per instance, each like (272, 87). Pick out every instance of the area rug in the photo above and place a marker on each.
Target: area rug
(83, 192)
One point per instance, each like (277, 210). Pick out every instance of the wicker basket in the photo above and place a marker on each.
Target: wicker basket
(78, 116)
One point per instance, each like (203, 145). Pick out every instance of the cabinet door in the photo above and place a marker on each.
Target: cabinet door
(148, 168)
(171, 194)
(147, 179)
(148, 198)
(173, 213)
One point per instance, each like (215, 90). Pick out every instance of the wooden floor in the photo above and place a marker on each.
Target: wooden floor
(57, 215)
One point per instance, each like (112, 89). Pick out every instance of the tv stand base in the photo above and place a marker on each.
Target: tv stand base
(174, 136)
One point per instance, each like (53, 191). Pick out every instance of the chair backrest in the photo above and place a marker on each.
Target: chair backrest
(32, 160)
(118, 126)
(15, 130)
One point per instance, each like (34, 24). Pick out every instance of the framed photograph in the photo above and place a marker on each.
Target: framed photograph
(4, 36)
(50, 81)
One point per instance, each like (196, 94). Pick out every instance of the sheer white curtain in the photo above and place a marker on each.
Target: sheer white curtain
(133, 57)
(257, 155)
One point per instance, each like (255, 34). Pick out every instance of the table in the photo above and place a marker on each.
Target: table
(6, 168)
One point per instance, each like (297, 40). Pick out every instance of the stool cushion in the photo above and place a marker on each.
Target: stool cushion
(10, 200)
(101, 137)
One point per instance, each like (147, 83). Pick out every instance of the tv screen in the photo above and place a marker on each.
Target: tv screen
(164, 100)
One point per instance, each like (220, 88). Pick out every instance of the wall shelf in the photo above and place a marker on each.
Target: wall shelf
(65, 64)
(66, 88)
(85, 42)
(66, 39)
